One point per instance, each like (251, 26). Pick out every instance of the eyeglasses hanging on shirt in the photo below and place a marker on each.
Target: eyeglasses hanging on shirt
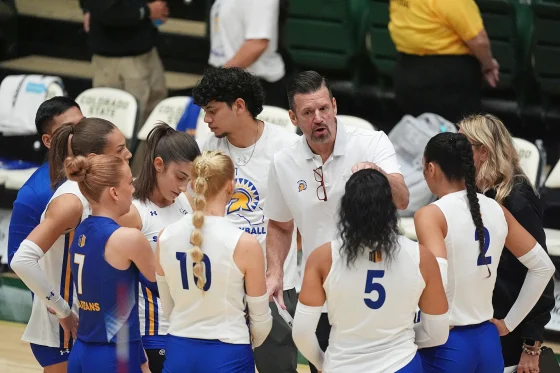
(321, 189)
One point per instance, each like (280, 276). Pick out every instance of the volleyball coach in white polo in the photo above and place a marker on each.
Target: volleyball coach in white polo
(306, 180)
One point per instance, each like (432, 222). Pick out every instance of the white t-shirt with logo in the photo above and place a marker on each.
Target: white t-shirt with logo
(246, 208)
(232, 22)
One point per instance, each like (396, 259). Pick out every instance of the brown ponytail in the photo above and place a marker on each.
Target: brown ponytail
(87, 137)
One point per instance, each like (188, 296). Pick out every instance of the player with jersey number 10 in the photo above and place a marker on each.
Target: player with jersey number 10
(372, 330)
(208, 273)
(467, 231)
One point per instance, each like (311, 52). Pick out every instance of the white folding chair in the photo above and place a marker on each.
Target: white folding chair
(5, 217)
(16, 178)
(406, 225)
(117, 106)
(278, 116)
(529, 158)
(350, 120)
(169, 111)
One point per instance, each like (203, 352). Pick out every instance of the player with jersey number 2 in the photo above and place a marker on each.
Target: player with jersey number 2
(372, 330)
(160, 199)
(467, 231)
(208, 271)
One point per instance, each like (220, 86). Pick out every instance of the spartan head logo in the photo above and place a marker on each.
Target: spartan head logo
(245, 197)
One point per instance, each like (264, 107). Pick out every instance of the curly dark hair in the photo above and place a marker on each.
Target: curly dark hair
(368, 217)
(454, 155)
(227, 84)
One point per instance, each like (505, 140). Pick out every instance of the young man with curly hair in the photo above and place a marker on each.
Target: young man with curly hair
(232, 99)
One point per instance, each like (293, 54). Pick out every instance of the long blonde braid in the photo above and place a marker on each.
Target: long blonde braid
(211, 171)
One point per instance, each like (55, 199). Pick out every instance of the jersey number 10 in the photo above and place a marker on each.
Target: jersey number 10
(372, 286)
(182, 258)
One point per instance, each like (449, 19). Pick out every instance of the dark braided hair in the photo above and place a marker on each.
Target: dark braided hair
(453, 153)
(368, 217)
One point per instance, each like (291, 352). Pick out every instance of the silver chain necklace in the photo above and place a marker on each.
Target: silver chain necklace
(252, 152)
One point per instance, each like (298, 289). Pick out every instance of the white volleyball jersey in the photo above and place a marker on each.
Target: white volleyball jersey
(43, 327)
(154, 219)
(246, 208)
(372, 330)
(219, 311)
(469, 286)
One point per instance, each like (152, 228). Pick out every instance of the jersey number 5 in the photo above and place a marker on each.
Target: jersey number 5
(372, 286)
(79, 259)
(182, 258)
(482, 258)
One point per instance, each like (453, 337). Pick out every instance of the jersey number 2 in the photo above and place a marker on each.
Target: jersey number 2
(79, 259)
(372, 286)
(182, 258)
(482, 258)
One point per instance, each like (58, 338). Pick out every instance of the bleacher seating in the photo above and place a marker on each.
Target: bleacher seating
(326, 35)
(529, 159)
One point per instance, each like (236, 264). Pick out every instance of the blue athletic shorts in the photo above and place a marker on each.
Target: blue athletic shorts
(96, 358)
(47, 356)
(469, 349)
(189, 355)
(415, 366)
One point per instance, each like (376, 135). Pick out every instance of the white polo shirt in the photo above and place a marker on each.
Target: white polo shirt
(292, 188)
(234, 21)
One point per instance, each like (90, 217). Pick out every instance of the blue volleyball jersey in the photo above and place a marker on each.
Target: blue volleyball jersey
(31, 201)
(107, 296)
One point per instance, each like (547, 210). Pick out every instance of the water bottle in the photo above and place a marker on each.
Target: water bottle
(542, 152)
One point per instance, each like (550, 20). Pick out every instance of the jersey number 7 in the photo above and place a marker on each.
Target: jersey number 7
(372, 286)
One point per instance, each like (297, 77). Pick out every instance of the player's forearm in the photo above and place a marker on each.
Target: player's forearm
(480, 48)
(26, 265)
(248, 54)
(278, 242)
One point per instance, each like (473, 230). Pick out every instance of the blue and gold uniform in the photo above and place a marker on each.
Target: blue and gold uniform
(107, 299)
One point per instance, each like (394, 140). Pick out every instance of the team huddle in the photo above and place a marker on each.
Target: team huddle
(191, 266)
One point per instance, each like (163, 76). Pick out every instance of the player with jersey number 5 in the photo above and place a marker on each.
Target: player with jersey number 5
(232, 99)
(306, 179)
(208, 273)
(372, 331)
(467, 231)
(42, 260)
(160, 199)
(106, 259)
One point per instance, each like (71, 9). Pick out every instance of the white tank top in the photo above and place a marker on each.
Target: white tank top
(154, 219)
(372, 330)
(43, 327)
(219, 312)
(469, 288)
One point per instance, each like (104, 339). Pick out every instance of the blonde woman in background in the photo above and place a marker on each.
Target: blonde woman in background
(208, 270)
(499, 176)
